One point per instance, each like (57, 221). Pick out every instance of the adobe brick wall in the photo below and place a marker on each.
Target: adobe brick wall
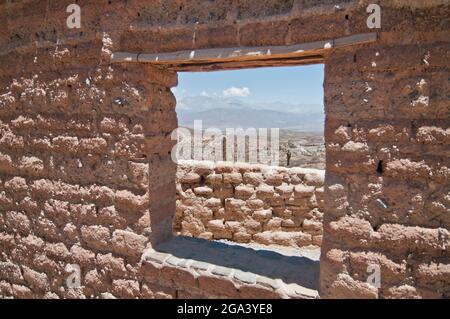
(85, 169)
(74, 185)
(249, 203)
(388, 178)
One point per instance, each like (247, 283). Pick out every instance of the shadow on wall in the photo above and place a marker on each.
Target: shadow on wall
(300, 270)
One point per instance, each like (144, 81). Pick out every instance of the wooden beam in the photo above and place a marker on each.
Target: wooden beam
(231, 54)
(234, 65)
(228, 58)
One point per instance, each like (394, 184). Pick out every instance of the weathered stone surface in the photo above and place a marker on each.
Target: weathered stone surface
(216, 286)
(237, 211)
(262, 215)
(128, 243)
(221, 271)
(198, 265)
(246, 277)
(96, 237)
(155, 256)
(203, 191)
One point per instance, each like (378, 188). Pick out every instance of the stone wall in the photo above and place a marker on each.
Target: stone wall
(387, 197)
(86, 175)
(249, 203)
(74, 181)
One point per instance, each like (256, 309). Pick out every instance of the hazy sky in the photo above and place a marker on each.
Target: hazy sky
(298, 84)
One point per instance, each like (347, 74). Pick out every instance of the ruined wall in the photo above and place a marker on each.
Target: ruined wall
(249, 203)
(387, 198)
(85, 171)
(74, 161)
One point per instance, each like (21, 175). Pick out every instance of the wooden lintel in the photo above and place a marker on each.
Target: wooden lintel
(226, 58)
(234, 65)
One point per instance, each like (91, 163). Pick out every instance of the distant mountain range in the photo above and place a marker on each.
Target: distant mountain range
(223, 112)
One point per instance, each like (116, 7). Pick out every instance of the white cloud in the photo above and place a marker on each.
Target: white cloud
(234, 91)
(204, 93)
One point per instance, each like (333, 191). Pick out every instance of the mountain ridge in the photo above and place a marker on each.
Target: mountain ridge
(222, 112)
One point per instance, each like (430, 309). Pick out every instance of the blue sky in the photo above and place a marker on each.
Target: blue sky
(297, 85)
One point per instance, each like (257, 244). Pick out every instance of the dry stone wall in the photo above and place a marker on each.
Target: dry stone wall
(249, 203)
(86, 175)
